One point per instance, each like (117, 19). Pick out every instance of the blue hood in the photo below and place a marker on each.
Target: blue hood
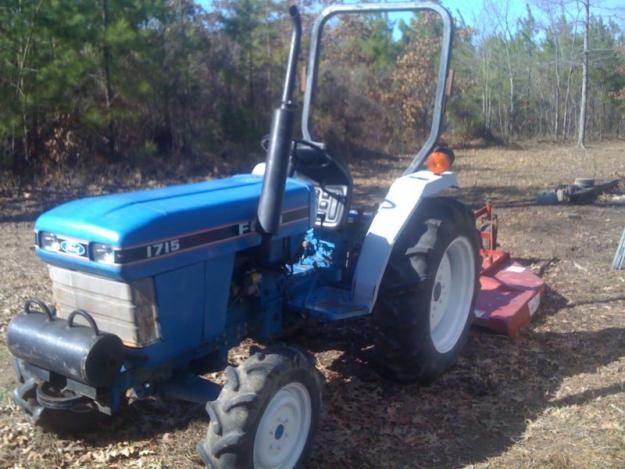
(136, 219)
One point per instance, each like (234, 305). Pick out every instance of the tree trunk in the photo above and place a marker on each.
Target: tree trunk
(565, 123)
(581, 135)
(108, 87)
(510, 121)
(250, 79)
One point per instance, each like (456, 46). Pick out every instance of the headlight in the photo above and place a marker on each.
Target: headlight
(103, 253)
(49, 241)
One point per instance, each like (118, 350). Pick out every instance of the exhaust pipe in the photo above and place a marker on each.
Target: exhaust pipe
(272, 194)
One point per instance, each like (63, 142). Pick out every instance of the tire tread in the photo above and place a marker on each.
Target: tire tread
(236, 412)
(405, 356)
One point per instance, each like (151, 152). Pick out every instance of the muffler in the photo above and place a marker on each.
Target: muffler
(75, 351)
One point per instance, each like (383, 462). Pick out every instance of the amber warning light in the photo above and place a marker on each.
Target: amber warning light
(440, 160)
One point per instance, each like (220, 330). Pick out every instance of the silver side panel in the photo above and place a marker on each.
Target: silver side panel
(127, 310)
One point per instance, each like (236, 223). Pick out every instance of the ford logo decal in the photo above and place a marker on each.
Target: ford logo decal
(71, 247)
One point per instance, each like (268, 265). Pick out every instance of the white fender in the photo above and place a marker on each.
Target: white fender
(401, 201)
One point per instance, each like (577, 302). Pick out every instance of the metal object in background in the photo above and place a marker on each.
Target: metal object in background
(619, 257)
(547, 198)
(582, 191)
(584, 182)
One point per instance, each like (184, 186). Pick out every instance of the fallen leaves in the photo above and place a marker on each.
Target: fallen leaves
(551, 397)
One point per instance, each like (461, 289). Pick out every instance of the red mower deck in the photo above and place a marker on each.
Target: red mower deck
(509, 293)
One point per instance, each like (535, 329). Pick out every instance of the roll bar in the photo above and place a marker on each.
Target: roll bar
(443, 70)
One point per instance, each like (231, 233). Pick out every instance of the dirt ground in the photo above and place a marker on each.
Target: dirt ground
(554, 396)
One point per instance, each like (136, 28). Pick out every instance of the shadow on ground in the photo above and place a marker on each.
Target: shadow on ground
(476, 411)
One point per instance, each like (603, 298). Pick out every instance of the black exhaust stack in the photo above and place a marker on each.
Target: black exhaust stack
(272, 195)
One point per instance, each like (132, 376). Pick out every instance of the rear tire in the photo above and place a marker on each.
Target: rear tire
(428, 292)
(267, 413)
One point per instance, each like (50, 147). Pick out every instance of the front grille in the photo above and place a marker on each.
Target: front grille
(127, 310)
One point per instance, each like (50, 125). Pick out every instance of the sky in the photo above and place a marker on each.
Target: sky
(476, 12)
(473, 10)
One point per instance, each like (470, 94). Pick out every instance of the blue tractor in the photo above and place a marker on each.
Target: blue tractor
(152, 288)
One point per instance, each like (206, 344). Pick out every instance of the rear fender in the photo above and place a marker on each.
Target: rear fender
(399, 205)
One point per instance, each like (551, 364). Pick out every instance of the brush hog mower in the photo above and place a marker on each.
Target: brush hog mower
(509, 293)
(152, 288)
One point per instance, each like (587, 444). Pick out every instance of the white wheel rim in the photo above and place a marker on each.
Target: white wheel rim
(453, 290)
(283, 429)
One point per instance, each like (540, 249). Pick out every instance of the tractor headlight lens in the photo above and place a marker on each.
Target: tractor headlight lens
(103, 253)
(49, 241)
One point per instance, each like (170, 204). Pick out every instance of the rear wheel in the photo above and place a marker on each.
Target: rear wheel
(428, 292)
(267, 413)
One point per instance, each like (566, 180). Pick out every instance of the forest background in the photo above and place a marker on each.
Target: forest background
(157, 82)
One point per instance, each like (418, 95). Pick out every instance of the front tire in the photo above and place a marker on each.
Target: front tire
(428, 292)
(267, 414)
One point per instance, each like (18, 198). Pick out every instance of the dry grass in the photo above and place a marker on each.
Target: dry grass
(554, 396)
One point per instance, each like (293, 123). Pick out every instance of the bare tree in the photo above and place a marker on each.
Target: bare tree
(583, 105)
(501, 13)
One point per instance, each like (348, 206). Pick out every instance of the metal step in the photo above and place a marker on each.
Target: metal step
(331, 304)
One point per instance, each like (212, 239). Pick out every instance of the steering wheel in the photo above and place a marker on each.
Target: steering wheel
(321, 159)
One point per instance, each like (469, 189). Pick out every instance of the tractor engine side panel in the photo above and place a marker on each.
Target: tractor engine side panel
(181, 303)
(217, 281)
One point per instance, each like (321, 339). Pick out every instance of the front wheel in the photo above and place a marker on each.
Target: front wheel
(428, 292)
(267, 413)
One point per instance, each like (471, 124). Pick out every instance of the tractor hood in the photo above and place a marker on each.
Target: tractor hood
(115, 234)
